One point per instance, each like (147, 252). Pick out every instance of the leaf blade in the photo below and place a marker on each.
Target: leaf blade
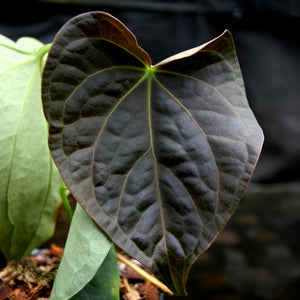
(77, 268)
(168, 161)
(29, 179)
(106, 282)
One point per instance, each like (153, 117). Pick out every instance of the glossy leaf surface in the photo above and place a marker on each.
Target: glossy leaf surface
(88, 257)
(160, 155)
(29, 180)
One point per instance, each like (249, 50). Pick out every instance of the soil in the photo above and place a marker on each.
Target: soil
(32, 278)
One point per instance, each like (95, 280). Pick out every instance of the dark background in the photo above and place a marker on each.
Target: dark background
(257, 255)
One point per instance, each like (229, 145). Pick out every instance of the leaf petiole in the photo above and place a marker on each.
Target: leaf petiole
(62, 192)
(44, 50)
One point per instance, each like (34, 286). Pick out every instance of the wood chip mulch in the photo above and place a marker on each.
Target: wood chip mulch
(32, 278)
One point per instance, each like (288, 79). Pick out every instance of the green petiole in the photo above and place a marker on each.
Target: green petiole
(62, 191)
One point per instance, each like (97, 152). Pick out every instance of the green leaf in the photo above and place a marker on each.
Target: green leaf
(30, 182)
(106, 283)
(159, 155)
(87, 249)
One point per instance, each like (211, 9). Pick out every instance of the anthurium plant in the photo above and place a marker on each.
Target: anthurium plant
(157, 156)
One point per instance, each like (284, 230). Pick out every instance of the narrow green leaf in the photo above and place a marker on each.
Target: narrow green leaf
(29, 185)
(86, 249)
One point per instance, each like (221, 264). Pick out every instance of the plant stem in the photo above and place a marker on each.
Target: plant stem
(144, 274)
(44, 50)
(62, 192)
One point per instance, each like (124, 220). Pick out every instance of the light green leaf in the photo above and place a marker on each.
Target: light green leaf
(105, 284)
(29, 185)
(86, 249)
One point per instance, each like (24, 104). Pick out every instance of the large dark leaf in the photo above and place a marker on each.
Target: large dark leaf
(159, 156)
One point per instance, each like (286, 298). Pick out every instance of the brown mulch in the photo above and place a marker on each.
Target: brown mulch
(32, 278)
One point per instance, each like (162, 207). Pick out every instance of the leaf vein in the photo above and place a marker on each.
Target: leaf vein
(209, 86)
(104, 125)
(198, 126)
(86, 79)
(184, 187)
(126, 178)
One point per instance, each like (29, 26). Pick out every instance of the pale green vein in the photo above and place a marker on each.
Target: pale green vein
(155, 162)
(200, 129)
(185, 189)
(90, 76)
(106, 120)
(206, 84)
(15, 48)
(33, 58)
(126, 178)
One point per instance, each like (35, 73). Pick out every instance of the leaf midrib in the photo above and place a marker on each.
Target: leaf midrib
(155, 161)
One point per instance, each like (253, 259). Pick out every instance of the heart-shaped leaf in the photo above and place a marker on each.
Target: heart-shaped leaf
(159, 156)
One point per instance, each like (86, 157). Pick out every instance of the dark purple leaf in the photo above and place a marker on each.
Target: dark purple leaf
(159, 156)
